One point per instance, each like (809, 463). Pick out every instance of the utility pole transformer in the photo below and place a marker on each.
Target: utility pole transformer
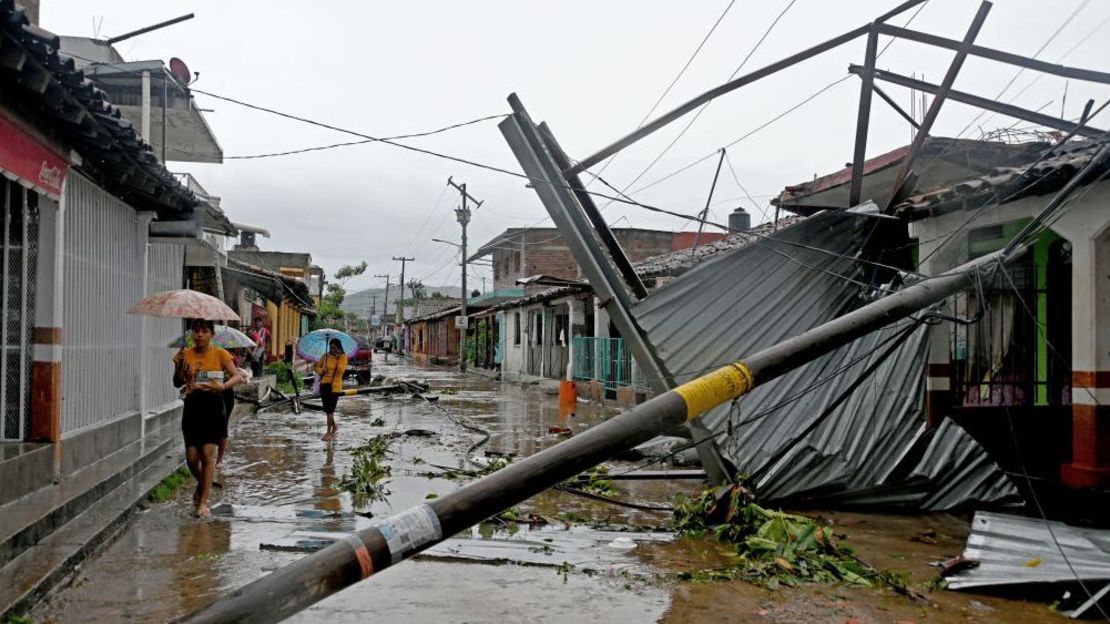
(463, 215)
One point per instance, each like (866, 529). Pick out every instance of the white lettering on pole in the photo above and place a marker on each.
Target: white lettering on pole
(410, 530)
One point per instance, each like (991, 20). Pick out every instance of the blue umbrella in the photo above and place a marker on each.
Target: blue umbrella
(313, 345)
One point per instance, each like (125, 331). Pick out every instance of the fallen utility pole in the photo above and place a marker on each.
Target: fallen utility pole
(403, 535)
(399, 537)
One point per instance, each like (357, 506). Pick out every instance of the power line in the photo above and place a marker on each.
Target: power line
(701, 110)
(676, 78)
(319, 148)
(1021, 70)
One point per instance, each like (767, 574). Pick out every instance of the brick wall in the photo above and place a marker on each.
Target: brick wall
(543, 251)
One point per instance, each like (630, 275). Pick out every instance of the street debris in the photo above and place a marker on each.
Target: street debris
(1006, 550)
(773, 547)
(369, 475)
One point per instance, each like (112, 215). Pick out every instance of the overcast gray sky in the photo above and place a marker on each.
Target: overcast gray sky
(590, 69)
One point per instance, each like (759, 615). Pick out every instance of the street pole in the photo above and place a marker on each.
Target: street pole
(401, 302)
(370, 318)
(385, 307)
(463, 215)
(409, 532)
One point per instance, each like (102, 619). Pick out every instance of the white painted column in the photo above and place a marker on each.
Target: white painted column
(46, 366)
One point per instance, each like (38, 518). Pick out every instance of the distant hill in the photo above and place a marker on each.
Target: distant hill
(358, 303)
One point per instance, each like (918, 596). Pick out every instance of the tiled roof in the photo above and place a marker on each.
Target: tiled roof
(1037, 177)
(676, 262)
(52, 93)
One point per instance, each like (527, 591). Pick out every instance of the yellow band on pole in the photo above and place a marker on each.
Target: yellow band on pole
(708, 391)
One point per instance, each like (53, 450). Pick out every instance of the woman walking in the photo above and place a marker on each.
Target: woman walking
(330, 370)
(206, 371)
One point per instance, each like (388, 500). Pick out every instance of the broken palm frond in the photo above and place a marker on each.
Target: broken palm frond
(770, 547)
(593, 482)
(369, 475)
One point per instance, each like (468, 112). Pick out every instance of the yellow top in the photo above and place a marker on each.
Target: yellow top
(330, 370)
(198, 365)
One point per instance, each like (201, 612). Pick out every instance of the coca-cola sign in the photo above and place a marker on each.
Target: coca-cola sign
(32, 162)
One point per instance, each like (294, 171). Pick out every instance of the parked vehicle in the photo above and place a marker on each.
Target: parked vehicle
(385, 343)
(359, 364)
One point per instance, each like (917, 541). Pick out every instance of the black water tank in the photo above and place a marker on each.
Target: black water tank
(739, 220)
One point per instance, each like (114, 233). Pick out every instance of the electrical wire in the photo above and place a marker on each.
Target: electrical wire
(702, 108)
(1021, 70)
(803, 102)
(319, 148)
(681, 72)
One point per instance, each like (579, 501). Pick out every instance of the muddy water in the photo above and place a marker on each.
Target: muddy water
(287, 482)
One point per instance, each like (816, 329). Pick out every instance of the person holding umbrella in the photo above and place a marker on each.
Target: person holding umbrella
(329, 370)
(206, 372)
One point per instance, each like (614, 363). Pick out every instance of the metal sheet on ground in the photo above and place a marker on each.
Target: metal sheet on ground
(1013, 550)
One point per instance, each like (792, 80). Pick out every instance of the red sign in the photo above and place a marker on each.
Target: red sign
(24, 158)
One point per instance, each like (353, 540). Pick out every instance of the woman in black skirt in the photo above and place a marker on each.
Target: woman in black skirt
(206, 371)
(330, 370)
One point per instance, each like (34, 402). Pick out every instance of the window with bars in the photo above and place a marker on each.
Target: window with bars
(18, 255)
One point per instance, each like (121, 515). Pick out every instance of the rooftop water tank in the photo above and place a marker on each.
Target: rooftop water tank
(739, 220)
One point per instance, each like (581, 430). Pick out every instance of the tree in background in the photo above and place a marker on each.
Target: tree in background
(417, 292)
(329, 314)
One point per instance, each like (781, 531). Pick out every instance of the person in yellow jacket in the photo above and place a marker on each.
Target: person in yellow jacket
(330, 371)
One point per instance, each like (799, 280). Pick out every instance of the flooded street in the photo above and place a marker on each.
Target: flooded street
(282, 497)
(282, 483)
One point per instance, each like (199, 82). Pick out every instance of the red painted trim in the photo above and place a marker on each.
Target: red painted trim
(48, 335)
(940, 369)
(1090, 379)
(46, 402)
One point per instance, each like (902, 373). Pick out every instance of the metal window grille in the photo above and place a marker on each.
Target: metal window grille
(18, 254)
(602, 359)
(103, 278)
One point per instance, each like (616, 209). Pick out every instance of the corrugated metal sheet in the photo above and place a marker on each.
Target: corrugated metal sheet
(1013, 550)
(871, 448)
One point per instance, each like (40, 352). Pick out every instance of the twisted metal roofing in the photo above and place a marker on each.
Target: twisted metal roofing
(871, 448)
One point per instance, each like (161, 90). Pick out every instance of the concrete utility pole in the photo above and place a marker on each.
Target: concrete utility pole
(401, 301)
(370, 317)
(463, 215)
(385, 304)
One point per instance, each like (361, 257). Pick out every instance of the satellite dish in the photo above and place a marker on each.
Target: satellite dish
(180, 70)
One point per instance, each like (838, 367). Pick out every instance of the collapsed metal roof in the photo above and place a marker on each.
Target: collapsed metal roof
(870, 446)
(1012, 550)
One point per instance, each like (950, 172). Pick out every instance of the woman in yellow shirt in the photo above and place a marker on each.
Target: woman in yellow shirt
(330, 370)
(206, 371)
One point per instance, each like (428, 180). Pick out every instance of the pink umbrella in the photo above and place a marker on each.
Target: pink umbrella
(184, 303)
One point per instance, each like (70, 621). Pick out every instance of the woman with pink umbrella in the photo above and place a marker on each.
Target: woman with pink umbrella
(205, 371)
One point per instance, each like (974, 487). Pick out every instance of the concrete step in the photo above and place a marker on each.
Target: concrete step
(29, 519)
(42, 566)
(25, 468)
